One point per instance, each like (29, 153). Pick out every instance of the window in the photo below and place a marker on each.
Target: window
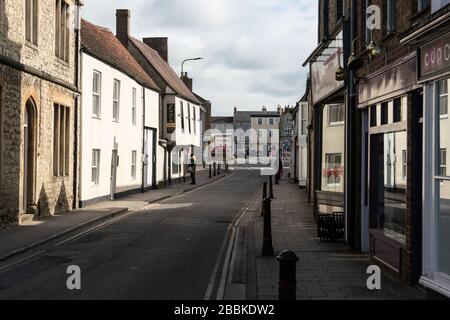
(182, 115)
(423, 4)
(335, 114)
(333, 167)
(133, 106)
(260, 121)
(443, 162)
(339, 9)
(373, 116)
(133, 164)
(189, 117)
(96, 94)
(326, 24)
(31, 21)
(61, 140)
(384, 113)
(62, 33)
(389, 15)
(404, 165)
(271, 121)
(116, 100)
(195, 120)
(95, 167)
(443, 98)
(397, 110)
(304, 121)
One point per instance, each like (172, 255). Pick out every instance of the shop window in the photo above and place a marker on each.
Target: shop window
(397, 110)
(31, 21)
(387, 184)
(61, 135)
(384, 113)
(336, 114)
(373, 116)
(333, 169)
(443, 98)
(443, 162)
(95, 167)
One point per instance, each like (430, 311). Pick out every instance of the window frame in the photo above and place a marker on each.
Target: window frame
(95, 166)
(134, 106)
(443, 95)
(116, 101)
(404, 165)
(133, 165)
(62, 24)
(32, 22)
(443, 162)
(61, 140)
(182, 116)
(97, 94)
(340, 113)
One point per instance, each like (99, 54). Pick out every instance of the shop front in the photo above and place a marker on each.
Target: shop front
(390, 103)
(328, 100)
(433, 51)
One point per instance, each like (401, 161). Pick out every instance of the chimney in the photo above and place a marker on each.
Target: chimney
(235, 110)
(264, 109)
(123, 25)
(160, 45)
(187, 81)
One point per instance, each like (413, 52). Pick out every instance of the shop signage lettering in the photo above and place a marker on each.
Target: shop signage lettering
(435, 57)
(171, 113)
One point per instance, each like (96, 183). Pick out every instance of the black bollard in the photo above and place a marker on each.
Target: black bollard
(264, 195)
(277, 177)
(267, 249)
(271, 187)
(215, 173)
(210, 172)
(287, 284)
(218, 169)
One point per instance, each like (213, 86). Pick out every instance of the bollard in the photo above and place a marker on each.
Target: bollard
(267, 249)
(271, 187)
(287, 284)
(218, 169)
(264, 195)
(210, 172)
(215, 173)
(277, 177)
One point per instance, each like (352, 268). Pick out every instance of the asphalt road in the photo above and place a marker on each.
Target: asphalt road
(166, 252)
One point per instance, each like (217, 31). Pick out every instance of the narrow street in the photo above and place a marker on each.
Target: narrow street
(166, 251)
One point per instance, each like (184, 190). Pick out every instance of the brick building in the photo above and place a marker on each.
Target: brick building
(38, 108)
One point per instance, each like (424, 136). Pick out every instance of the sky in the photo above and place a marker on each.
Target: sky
(252, 49)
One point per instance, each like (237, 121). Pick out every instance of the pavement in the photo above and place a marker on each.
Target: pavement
(325, 271)
(31, 234)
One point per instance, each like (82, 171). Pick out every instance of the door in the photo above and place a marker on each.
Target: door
(149, 158)
(114, 165)
(28, 157)
(303, 145)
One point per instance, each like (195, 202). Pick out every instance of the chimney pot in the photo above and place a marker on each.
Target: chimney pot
(159, 44)
(123, 25)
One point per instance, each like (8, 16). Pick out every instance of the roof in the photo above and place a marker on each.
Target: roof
(265, 114)
(165, 71)
(243, 116)
(201, 99)
(101, 43)
(222, 119)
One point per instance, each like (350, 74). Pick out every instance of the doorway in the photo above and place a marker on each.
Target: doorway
(150, 158)
(28, 157)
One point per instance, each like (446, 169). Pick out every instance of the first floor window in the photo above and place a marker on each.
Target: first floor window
(335, 114)
(182, 115)
(96, 94)
(133, 164)
(133, 107)
(95, 166)
(62, 29)
(260, 121)
(443, 162)
(443, 98)
(31, 21)
(116, 100)
(61, 140)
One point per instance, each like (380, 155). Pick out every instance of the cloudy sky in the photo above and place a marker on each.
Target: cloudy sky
(253, 49)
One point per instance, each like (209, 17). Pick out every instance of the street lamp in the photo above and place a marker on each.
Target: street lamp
(186, 60)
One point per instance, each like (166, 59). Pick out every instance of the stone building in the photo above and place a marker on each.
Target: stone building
(38, 108)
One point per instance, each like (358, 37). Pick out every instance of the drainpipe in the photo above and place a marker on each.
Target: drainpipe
(143, 141)
(349, 35)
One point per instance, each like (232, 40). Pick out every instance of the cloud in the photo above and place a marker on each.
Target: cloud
(253, 49)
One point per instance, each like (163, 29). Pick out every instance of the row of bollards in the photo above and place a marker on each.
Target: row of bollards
(214, 170)
(287, 284)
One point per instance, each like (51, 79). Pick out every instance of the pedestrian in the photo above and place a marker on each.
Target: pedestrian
(192, 169)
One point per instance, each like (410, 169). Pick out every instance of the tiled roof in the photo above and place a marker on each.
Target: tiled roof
(101, 43)
(222, 119)
(265, 114)
(165, 71)
(243, 116)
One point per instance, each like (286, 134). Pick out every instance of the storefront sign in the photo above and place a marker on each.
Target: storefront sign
(171, 113)
(435, 57)
(323, 70)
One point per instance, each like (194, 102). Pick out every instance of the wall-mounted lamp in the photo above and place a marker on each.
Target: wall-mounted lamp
(340, 71)
(355, 61)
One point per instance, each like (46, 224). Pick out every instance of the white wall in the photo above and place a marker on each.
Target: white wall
(104, 133)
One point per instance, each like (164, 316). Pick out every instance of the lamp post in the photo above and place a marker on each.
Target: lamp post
(186, 60)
